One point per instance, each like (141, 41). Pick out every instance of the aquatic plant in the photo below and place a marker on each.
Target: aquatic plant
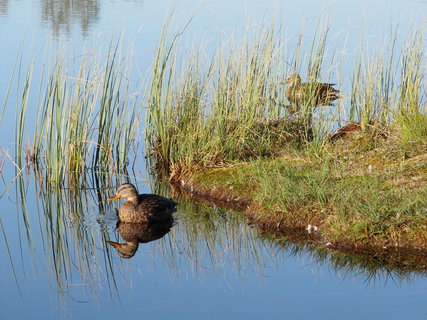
(86, 119)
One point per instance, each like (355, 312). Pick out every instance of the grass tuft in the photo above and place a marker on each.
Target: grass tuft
(212, 110)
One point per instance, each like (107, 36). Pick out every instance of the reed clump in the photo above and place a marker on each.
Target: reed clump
(210, 110)
(388, 87)
(86, 117)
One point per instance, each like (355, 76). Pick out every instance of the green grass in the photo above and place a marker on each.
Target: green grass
(389, 86)
(353, 196)
(207, 110)
(367, 187)
(202, 113)
(218, 109)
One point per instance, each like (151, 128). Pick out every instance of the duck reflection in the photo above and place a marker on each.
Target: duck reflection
(136, 233)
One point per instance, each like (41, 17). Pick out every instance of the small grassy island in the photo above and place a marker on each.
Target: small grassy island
(351, 175)
(360, 192)
(309, 143)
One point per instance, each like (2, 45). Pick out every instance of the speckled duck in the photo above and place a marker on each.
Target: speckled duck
(142, 207)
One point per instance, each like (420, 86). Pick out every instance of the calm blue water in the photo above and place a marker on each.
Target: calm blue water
(55, 263)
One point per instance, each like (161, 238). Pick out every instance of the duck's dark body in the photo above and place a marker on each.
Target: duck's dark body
(310, 94)
(143, 207)
(147, 207)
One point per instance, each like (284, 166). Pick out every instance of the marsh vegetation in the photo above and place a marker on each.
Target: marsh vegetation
(220, 123)
(326, 194)
(357, 170)
(227, 106)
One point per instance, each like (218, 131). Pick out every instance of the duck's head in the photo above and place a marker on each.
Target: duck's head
(126, 190)
(125, 250)
(293, 79)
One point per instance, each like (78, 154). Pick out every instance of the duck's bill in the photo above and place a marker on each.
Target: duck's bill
(114, 244)
(117, 196)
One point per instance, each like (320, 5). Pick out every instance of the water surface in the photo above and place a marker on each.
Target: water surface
(55, 261)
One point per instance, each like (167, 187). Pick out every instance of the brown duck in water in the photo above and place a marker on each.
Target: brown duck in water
(136, 233)
(309, 94)
(142, 207)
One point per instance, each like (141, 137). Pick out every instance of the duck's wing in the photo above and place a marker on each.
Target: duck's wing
(295, 95)
(319, 94)
(155, 202)
(312, 93)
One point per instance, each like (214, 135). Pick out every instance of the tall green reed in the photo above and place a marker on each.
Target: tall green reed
(22, 102)
(209, 109)
(86, 119)
(412, 104)
(317, 121)
(388, 85)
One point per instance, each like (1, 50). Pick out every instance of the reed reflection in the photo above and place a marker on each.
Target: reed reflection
(73, 224)
(136, 233)
(62, 15)
(371, 266)
(4, 7)
(75, 229)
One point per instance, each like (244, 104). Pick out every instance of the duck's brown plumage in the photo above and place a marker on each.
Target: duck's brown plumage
(310, 94)
(143, 207)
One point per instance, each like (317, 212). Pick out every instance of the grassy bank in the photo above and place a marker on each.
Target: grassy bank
(361, 193)
(219, 129)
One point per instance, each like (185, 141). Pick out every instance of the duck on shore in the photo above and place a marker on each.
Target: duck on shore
(142, 207)
(309, 94)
